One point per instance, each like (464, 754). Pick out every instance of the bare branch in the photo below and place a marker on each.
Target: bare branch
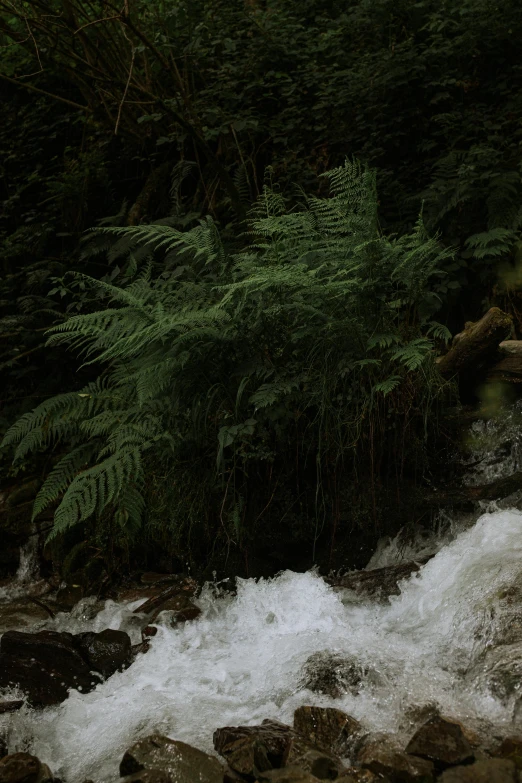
(44, 92)
(97, 21)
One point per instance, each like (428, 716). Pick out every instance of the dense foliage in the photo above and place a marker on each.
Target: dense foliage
(128, 115)
(293, 350)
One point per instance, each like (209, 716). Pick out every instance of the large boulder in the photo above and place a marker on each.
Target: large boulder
(510, 748)
(248, 749)
(24, 768)
(314, 746)
(47, 664)
(319, 763)
(159, 759)
(105, 652)
(287, 775)
(43, 665)
(381, 757)
(354, 775)
(484, 771)
(442, 742)
(328, 729)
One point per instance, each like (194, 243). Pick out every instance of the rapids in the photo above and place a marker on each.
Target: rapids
(242, 660)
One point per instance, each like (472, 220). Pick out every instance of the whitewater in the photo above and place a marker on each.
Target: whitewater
(244, 659)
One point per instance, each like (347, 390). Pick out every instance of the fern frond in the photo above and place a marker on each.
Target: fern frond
(61, 476)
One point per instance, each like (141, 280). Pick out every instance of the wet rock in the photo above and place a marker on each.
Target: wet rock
(334, 674)
(328, 729)
(69, 595)
(10, 706)
(510, 748)
(511, 347)
(149, 776)
(361, 776)
(291, 774)
(381, 758)
(319, 763)
(508, 370)
(24, 768)
(251, 749)
(500, 671)
(142, 647)
(182, 609)
(378, 583)
(179, 761)
(21, 613)
(484, 771)
(504, 615)
(106, 652)
(442, 742)
(232, 777)
(43, 665)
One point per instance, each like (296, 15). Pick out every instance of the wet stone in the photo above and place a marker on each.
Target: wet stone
(328, 728)
(334, 675)
(361, 776)
(484, 771)
(47, 664)
(291, 774)
(106, 652)
(396, 765)
(500, 671)
(248, 749)
(11, 706)
(442, 742)
(43, 665)
(24, 768)
(511, 748)
(149, 776)
(179, 762)
(319, 763)
(69, 595)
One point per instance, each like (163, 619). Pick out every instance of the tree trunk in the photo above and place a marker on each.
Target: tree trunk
(478, 342)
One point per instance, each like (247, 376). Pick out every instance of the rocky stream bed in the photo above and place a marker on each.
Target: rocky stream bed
(407, 671)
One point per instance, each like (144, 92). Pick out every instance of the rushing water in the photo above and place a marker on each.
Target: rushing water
(242, 660)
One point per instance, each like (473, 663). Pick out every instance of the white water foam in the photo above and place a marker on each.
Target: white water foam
(27, 578)
(242, 660)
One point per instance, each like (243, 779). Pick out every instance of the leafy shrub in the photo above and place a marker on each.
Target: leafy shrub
(306, 347)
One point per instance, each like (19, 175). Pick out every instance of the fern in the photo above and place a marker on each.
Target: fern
(492, 244)
(315, 323)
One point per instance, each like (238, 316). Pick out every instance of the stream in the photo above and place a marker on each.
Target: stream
(244, 659)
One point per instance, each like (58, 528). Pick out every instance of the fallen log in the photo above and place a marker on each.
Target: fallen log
(461, 496)
(41, 605)
(11, 706)
(508, 369)
(378, 582)
(472, 348)
(188, 586)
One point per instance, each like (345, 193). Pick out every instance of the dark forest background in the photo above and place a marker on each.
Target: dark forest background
(311, 420)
